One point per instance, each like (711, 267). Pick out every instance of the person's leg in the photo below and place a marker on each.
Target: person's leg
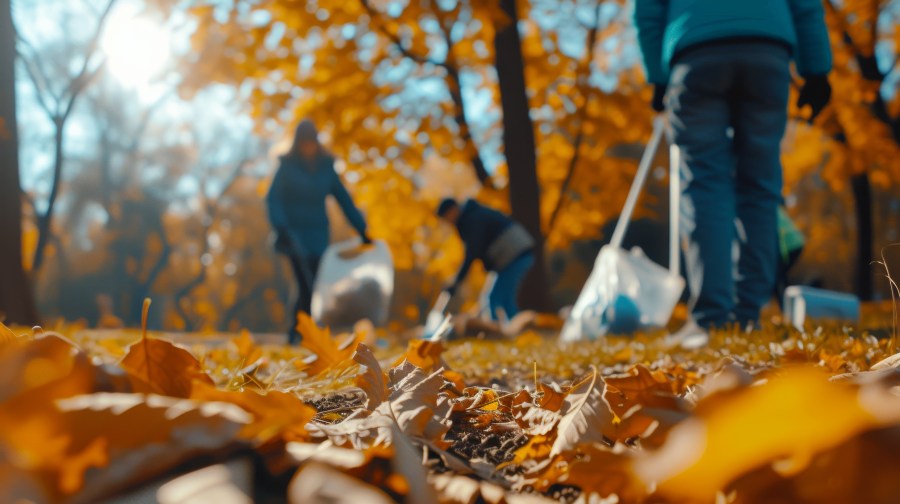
(700, 116)
(306, 269)
(297, 268)
(760, 112)
(506, 288)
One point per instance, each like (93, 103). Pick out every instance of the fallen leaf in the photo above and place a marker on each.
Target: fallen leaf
(328, 355)
(790, 418)
(372, 380)
(316, 482)
(424, 354)
(586, 417)
(157, 366)
(275, 414)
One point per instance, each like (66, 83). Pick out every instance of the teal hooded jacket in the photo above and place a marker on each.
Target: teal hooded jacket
(666, 27)
(296, 204)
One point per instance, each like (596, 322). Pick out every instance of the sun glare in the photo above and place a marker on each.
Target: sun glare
(137, 50)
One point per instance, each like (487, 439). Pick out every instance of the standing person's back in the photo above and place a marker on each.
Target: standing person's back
(296, 203)
(722, 69)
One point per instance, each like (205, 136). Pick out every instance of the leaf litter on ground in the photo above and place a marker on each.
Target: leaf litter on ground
(805, 416)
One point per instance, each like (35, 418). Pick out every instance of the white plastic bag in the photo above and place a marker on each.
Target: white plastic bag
(625, 292)
(355, 282)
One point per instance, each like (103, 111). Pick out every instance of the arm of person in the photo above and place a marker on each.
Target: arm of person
(813, 56)
(650, 18)
(347, 206)
(275, 202)
(463, 271)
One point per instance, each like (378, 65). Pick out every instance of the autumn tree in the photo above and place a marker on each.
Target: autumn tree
(16, 303)
(60, 70)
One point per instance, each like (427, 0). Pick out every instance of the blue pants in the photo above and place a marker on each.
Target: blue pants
(506, 288)
(728, 109)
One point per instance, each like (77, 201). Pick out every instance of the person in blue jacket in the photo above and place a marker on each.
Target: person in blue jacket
(296, 204)
(722, 70)
(500, 243)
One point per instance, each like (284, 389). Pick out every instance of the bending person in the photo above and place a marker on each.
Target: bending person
(296, 204)
(500, 243)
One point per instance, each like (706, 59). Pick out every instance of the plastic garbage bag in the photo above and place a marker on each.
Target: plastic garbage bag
(355, 282)
(625, 292)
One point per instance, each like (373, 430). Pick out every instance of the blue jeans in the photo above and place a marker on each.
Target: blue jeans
(728, 109)
(506, 288)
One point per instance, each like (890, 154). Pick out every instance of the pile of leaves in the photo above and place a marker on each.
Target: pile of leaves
(761, 417)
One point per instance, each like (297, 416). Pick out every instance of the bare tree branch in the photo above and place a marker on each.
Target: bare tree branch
(398, 43)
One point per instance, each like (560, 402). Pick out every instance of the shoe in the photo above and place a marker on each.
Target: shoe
(690, 337)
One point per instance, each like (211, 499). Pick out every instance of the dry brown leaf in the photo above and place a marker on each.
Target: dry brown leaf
(424, 354)
(586, 417)
(318, 483)
(275, 414)
(407, 463)
(415, 403)
(157, 366)
(536, 449)
(89, 446)
(328, 354)
(890, 362)
(788, 420)
(549, 398)
(372, 380)
(598, 472)
(6, 335)
(641, 387)
(456, 489)
(247, 349)
(326, 453)
(32, 364)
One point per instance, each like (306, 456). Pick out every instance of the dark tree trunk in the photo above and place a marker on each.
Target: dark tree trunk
(520, 151)
(16, 302)
(862, 200)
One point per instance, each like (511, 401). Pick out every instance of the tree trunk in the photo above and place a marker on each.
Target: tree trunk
(862, 200)
(519, 149)
(45, 220)
(16, 302)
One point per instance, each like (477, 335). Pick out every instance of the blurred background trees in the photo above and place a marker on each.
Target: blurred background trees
(149, 130)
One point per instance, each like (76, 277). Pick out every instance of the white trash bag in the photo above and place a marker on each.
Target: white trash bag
(626, 290)
(355, 282)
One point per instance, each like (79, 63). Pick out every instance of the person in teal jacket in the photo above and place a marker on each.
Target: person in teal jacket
(722, 69)
(296, 204)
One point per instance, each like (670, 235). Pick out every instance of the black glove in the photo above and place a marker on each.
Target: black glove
(366, 239)
(816, 92)
(659, 93)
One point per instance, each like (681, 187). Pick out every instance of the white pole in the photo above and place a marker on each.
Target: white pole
(674, 208)
(638, 184)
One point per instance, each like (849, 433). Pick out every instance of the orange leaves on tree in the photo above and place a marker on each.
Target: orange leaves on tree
(157, 366)
(328, 354)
